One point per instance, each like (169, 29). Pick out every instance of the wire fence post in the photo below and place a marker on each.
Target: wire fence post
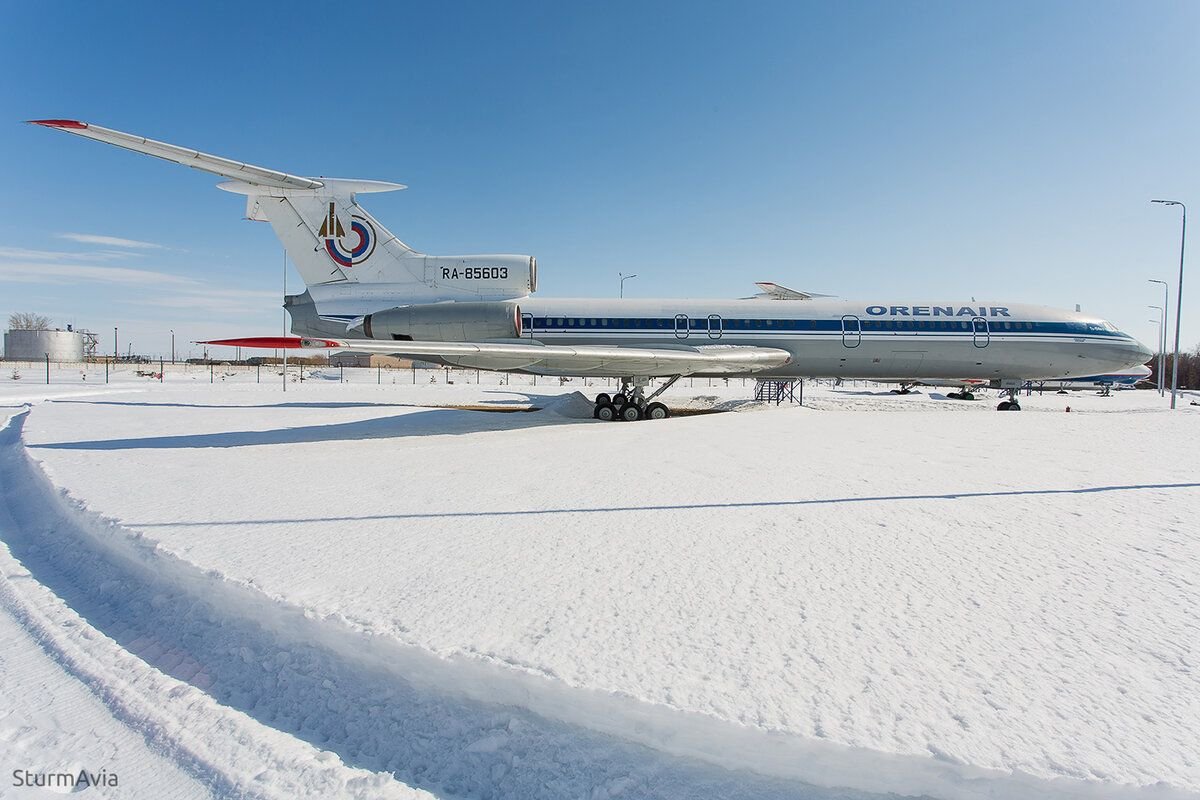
(210, 372)
(47, 369)
(106, 371)
(160, 370)
(258, 373)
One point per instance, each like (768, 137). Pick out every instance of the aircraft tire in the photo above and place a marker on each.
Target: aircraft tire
(630, 413)
(657, 411)
(619, 400)
(967, 396)
(954, 395)
(606, 412)
(1004, 406)
(602, 398)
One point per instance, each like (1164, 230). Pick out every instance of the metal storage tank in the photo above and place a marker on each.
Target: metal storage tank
(35, 345)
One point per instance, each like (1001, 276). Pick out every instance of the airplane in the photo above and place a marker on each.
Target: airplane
(1124, 379)
(367, 291)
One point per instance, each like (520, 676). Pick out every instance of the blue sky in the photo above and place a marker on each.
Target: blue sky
(870, 150)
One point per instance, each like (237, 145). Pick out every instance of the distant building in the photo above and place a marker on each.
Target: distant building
(348, 359)
(59, 345)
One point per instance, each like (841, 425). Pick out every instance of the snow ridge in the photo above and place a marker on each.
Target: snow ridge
(232, 754)
(456, 726)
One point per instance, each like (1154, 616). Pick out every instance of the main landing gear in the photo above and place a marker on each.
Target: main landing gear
(905, 388)
(965, 394)
(1011, 403)
(630, 404)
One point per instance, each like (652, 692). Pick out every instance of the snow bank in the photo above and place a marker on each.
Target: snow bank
(575, 405)
(228, 751)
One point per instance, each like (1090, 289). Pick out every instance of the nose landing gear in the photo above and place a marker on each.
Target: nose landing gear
(631, 404)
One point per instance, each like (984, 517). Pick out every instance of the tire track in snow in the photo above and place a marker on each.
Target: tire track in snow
(453, 726)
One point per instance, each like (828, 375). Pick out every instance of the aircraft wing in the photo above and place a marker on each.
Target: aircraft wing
(773, 291)
(532, 356)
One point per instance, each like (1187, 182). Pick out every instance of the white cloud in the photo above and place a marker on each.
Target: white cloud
(42, 272)
(110, 241)
(58, 255)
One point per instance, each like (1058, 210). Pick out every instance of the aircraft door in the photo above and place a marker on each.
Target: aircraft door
(982, 334)
(851, 331)
(714, 326)
(527, 326)
(681, 326)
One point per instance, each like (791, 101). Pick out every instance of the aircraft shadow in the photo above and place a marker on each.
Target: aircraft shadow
(431, 422)
(301, 404)
(675, 507)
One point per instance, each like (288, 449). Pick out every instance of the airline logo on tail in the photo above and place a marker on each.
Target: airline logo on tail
(352, 250)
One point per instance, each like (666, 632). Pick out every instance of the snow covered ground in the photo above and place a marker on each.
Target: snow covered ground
(872, 594)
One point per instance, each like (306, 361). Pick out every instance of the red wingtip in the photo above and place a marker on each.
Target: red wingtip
(59, 123)
(266, 342)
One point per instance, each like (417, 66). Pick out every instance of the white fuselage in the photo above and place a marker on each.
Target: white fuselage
(853, 339)
(831, 337)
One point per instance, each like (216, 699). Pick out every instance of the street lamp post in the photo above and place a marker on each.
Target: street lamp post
(624, 278)
(1162, 350)
(1178, 297)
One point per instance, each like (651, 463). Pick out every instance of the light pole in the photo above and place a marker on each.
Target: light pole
(172, 345)
(1162, 350)
(1178, 298)
(624, 278)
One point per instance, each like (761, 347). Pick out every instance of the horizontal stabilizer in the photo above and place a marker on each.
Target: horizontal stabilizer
(228, 168)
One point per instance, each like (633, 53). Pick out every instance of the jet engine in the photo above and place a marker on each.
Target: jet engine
(442, 322)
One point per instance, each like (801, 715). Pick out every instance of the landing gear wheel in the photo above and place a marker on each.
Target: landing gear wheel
(602, 398)
(657, 411)
(619, 399)
(606, 412)
(630, 413)
(967, 396)
(1011, 403)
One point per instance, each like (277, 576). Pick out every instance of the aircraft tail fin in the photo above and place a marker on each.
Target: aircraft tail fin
(331, 238)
